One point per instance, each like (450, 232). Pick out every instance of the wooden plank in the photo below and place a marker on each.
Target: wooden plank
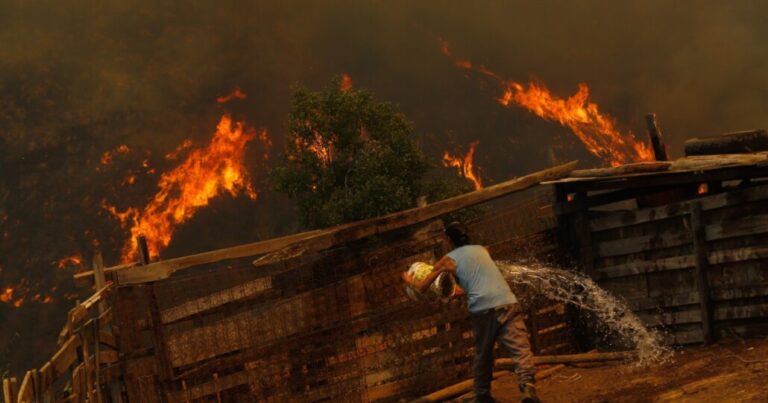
(737, 255)
(751, 225)
(26, 392)
(638, 267)
(691, 315)
(702, 266)
(98, 277)
(246, 330)
(583, 235)
(323, 239)
(571, 358)
(643, 243)
(158, 335)
(65, 356)
(664, 301)
(605, 220)
(685, 173)
(601, 199)
(600, 221)
(747, 141)
(733, 293)
(626, 169)
(217, 299)
(734, 197)
(79, 312)
(10, 394)
(740, 312)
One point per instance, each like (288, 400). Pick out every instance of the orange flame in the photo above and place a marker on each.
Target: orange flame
(236, 93)
(321, 148)
(465, 165)
(106, 156)
(205, 174)
(74, 260)
(7, 295)
(346, 82)
(596, 130)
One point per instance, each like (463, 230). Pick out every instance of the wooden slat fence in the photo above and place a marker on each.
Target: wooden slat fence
(697, 268)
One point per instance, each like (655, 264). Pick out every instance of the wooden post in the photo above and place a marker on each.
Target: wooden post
(141, 243)
(9, 390)
(657, 142)
(702, 283)
(99, 278)
(583, 235)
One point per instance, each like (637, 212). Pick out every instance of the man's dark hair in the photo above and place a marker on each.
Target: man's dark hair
(458, 233)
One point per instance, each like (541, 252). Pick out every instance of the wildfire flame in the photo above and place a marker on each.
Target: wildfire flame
(74, 260)
(596, 130)
(346, 82)
(236, 93)
(465, 165)
(322, 149)
(106, 156)
(7, 295)
(204, 174)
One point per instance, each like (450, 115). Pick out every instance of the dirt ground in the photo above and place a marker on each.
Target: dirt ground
(732, 370)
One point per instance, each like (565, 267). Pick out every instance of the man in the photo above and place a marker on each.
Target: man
(496, 315)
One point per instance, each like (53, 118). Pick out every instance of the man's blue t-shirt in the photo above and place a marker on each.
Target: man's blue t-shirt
(480, 278)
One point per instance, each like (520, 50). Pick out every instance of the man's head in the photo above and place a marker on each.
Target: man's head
(458, 234)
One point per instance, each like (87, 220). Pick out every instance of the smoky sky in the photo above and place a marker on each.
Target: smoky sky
(78, 78)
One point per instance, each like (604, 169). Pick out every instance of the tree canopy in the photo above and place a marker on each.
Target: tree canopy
(348, 157)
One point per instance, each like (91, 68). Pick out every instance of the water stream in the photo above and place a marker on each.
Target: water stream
(612, 314)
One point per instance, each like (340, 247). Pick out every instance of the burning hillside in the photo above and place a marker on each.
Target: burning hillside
(596, 130)
(205, 173)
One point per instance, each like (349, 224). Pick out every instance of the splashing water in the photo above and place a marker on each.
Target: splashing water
(582, 292)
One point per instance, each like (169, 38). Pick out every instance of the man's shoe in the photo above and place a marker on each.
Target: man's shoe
(528, 390)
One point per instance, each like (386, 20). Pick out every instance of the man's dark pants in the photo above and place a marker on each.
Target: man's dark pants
(505, 325)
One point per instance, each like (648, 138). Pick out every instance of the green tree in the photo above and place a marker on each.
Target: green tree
(348, 157)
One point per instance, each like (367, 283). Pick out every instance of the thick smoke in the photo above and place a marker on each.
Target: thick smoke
(78, 78)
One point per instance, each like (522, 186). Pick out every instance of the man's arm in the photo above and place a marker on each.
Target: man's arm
(442, 265)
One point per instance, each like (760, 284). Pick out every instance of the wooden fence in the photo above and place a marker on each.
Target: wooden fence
(85, 367)
(323, 316)
(696, 269)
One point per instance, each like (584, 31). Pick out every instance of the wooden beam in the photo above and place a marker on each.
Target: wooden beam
(740, 142)
(323, 239)
(143, 249)
(98, 276)
(571, 358)
(751, 224)
(10, 392)
(657, 141)
(642, 243)
(217, 299)
(81, 310)
(65, 357)
(702, 264)
(606, 220)
(663, 301)
(689, 172)
(26, 392)
(637, 267)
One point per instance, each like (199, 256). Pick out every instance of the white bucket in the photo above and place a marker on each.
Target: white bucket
(443, 288)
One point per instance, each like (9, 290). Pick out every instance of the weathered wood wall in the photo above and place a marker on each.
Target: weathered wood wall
(333, 325)
(697, 268)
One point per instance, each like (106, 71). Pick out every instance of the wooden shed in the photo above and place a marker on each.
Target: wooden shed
(685, 243)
